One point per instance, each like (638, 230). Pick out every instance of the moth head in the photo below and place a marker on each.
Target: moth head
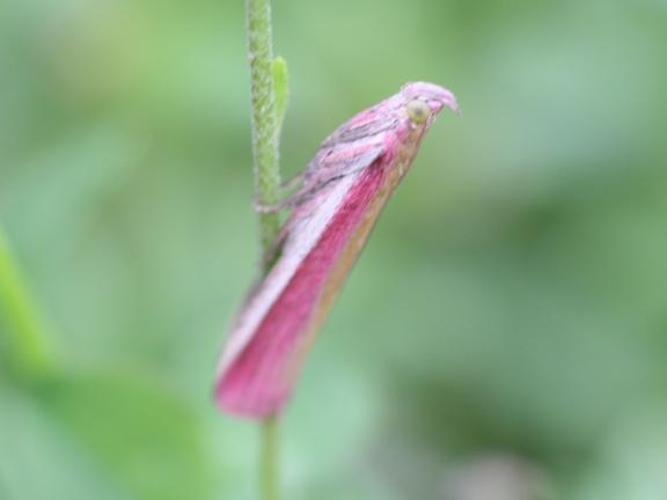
(431, 96)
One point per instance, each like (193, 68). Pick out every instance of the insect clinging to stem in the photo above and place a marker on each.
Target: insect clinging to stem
(343, 190)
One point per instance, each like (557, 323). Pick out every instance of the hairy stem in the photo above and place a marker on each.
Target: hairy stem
(265, 132)
(264, 120)
(25, 345)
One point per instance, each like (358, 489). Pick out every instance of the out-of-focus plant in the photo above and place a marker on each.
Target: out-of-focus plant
(27, 352)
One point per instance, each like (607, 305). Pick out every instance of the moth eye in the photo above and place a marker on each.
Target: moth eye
(418, 111)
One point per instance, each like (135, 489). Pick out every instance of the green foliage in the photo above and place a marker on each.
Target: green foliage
(105, 412)
(102, 435)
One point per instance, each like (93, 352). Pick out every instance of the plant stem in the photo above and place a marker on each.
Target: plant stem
(265, 139)
(269, 467)
(264, 120)
(28, 353)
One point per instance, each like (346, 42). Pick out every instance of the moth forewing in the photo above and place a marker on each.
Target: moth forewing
(303, 229)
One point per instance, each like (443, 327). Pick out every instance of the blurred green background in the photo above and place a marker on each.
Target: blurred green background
(503, 336)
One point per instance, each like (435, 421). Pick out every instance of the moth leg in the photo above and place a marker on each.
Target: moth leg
(291, 201)
(288, 185)
(271, 208)
(292, 182)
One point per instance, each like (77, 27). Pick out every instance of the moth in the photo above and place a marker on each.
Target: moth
(343, 190)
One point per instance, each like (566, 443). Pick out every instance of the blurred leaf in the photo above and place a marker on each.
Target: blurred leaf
(40, 460)
(149, 439)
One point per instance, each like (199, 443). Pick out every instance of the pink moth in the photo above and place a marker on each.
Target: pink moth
(344, 189)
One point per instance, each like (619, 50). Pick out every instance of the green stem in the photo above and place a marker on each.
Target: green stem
(264, 120)
(269, 466)
(26, 348)
(265, 132)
